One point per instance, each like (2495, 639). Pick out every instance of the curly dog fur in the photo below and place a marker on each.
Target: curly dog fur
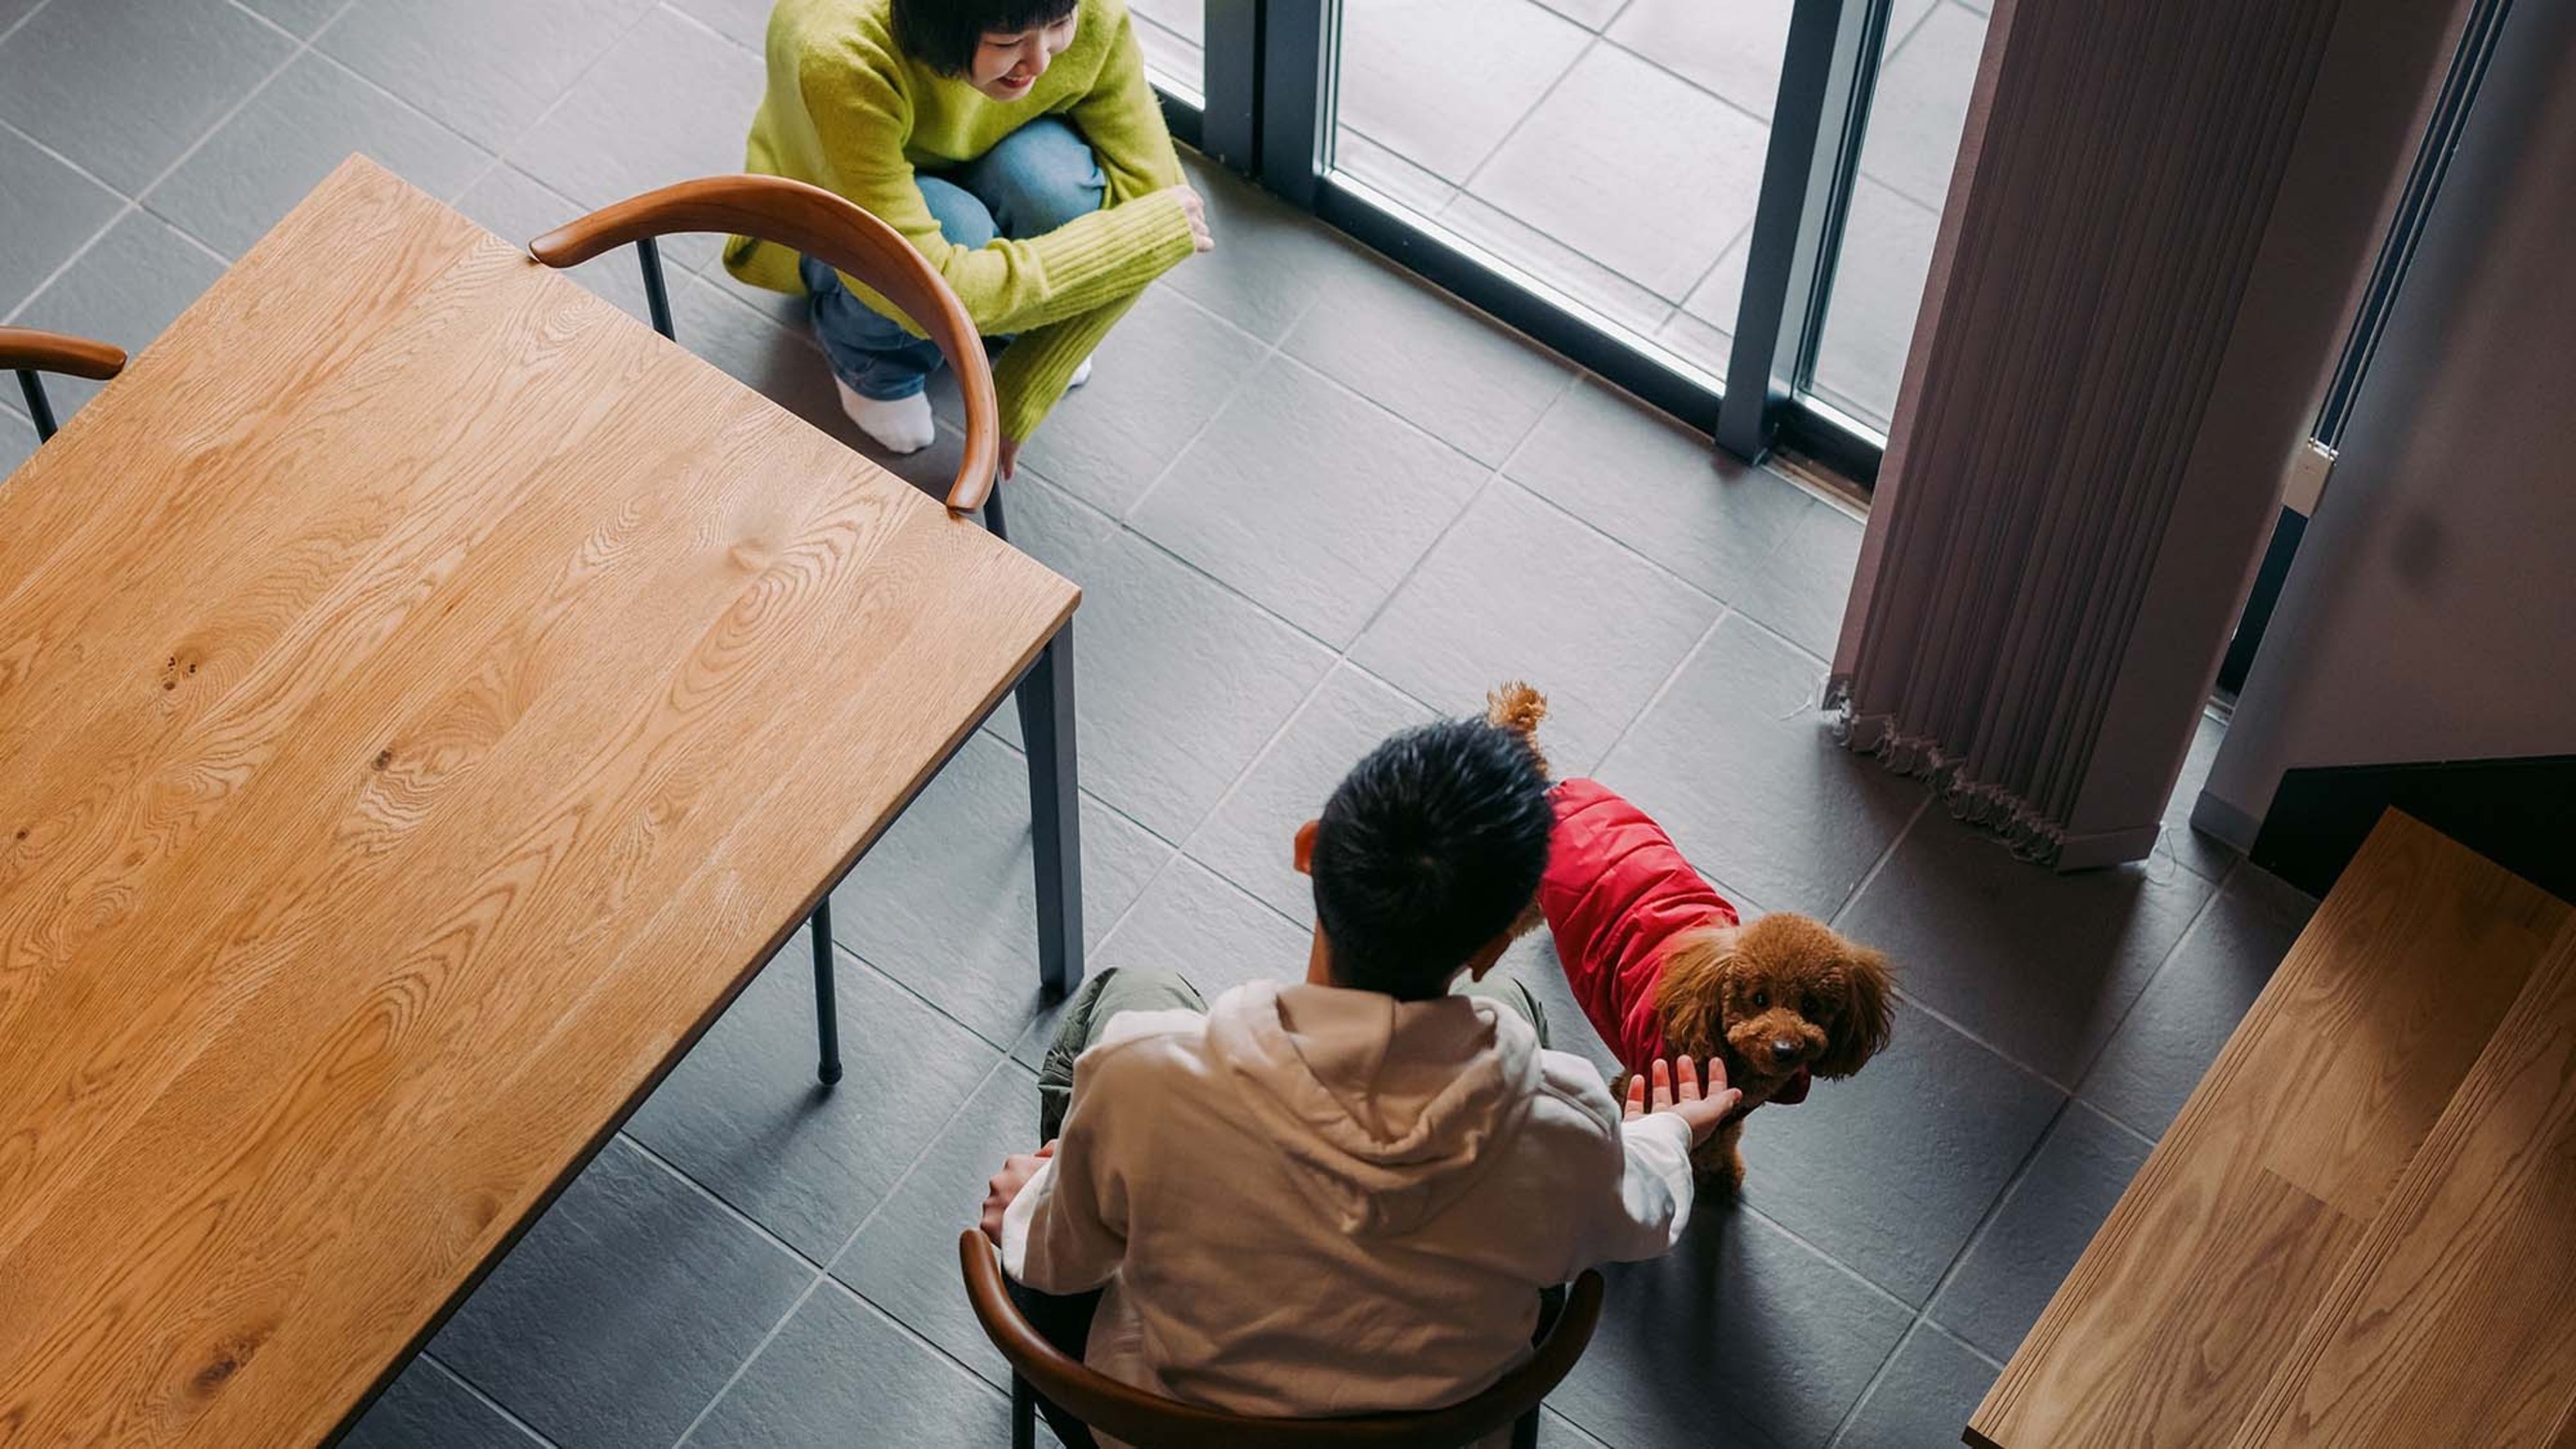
(1768, 999)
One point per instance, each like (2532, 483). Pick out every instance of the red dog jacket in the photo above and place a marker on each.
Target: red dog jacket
(1616, 893)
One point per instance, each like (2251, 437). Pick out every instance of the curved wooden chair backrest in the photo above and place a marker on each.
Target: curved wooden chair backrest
(27, 352)
(1151, 1422)
(832, 230)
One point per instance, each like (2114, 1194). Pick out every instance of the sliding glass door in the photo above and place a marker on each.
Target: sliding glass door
(1692, 197)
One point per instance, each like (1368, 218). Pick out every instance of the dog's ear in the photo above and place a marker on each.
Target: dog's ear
(1690, 996)
(1868, 1013)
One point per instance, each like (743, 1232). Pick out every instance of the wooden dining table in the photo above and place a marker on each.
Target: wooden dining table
(426, 699)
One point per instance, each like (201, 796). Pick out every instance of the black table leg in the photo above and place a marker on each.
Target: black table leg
(1055, 820)
(827, 1016)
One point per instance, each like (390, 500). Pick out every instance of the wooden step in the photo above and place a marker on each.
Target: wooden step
(2197, 1286)
(2454, 1320)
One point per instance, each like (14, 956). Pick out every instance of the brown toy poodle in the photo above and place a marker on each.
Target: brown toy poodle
(1663, 966)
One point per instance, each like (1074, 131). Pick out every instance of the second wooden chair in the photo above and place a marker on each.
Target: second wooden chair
(31, 353)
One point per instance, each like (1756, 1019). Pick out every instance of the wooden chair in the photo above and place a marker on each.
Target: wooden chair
(31, 353)
(1039, 1368)
(835, 231)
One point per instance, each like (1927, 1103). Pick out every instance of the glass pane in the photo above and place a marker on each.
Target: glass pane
(1173, 33)
(1611, 149)
(1914, 121)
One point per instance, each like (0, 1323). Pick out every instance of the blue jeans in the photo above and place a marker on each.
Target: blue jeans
(1036, 179)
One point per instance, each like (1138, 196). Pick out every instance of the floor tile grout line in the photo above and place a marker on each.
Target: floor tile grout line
(1591, 41)
(1682, 308)
(475, 1390)
(1986, 1221)
(717, 1199)
(21, 22)
(1497, 472)
(237, 107)
(125, 209)
(1870, 876)
(134, 202)
(1235, 786)
(264, 21)
(822, 1270)
(920, 1338)
(840, 950)
(1663, 570)
(540, 118)
(1663, 687)
(1761, 559)
(2191, 929)
(1413, 569)
(701, 26)
(1878, 1377)
(812, 1285)
(1591, 272)
(362, 78)
(491, 164)
(1729, 102)
(1001, 1064)
(75, 167)
(1812, 1246)
(2107, 1115)
(190, 237)
(1916, 1003)
(1232, 392)
(1293, 360)
(1934, 1326)
(1341, 653)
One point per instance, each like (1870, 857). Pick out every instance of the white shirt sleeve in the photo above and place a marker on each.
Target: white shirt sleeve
(1654, 1192)
(1067, 1230)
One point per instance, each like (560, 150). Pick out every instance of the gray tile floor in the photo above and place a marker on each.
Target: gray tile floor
(1614, 148)
(1309, 502)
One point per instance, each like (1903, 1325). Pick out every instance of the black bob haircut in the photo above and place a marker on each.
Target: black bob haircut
(944, 34)
(1430, 847)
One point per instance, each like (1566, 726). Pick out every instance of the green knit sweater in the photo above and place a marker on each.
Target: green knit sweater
(848, 111)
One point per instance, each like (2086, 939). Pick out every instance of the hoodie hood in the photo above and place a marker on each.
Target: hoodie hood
(1388, 1110)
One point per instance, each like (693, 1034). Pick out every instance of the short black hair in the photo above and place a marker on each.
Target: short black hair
(943, 34)
(1429, 848)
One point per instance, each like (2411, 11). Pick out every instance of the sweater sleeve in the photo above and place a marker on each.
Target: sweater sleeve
(1007, 286)
(1067, 1230)
(1124, 123)
(1653, 1202)
(1032, 373)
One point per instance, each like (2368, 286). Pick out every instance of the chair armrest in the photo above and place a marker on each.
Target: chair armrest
(26, 347)
(833, 230)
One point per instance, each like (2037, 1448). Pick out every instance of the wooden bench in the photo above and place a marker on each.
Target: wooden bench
(2302, 1188)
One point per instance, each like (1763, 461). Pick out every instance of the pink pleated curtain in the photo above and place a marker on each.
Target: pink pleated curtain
(2161, 221)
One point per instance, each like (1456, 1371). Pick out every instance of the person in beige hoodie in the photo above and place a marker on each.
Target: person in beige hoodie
(1346, 1195)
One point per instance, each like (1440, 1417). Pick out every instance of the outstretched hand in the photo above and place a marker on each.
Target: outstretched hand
(1004, 1188)
(1194, 206)
(1701, 1107)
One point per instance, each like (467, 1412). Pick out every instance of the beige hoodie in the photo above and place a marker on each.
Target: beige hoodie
(1314, 1201)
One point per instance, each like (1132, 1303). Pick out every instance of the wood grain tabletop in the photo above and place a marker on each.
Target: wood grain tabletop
(426, 697)
(2198, 1283)
(2454, 1320)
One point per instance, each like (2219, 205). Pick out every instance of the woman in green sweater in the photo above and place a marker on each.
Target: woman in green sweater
(1016, 143)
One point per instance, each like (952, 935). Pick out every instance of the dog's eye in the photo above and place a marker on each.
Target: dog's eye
(1761, 1001)
(1807, 1005)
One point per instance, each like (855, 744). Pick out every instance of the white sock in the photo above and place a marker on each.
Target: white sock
(900, 425)
(1081, 375)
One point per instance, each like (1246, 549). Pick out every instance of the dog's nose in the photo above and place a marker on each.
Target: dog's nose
(1784, 1051)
